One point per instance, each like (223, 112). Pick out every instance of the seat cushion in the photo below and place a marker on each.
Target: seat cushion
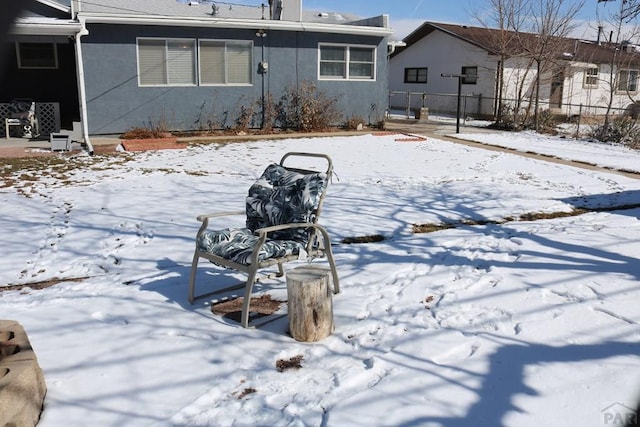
(282, 196)
(237, 245)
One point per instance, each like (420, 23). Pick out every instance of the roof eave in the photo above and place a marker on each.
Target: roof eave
(235, 24)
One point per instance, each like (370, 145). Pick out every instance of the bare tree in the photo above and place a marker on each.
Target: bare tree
(500, 18)
(629, 9)
(622, 60)
(533, 32)
(551, 22)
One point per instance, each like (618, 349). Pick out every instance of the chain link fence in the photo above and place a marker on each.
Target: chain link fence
(577, 120)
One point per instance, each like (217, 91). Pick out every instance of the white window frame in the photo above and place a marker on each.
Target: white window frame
(20, 59)
(591, 80)
(347, 61)
(166, 42)
(226, 70)
(628, 72)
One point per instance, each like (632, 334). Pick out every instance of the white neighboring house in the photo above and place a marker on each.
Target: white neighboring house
(581, 73)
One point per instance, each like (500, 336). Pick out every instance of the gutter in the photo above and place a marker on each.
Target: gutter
(45, 29)
(251, 24)
(393, 45)
(81, 87)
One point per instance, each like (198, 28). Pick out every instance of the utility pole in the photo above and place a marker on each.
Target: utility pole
(262, 70)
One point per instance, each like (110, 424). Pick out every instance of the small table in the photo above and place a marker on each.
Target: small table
(8, 123)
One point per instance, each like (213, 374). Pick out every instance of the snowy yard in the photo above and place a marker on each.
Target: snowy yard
(510, 323)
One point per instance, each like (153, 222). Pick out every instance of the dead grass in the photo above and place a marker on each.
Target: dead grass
(247, 391)
(363, 239)
(530, 216)
(40, 285)
(294, 362)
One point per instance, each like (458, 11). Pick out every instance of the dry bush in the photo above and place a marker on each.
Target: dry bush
(306, 109)
(353, 122)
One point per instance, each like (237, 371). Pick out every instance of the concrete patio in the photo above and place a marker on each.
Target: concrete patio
(14, 147)
(24, 147)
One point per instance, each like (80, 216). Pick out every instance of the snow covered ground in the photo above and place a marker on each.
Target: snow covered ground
(513, 324)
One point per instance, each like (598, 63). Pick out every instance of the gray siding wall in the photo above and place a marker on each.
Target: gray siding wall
(116, 103)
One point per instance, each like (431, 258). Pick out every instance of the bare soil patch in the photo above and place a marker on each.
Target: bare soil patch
(294, 362)
(262, 306)
(40, 285)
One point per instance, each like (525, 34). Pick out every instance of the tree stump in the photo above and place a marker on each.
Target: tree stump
(309, 303)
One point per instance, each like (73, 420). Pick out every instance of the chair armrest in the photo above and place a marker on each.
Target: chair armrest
(204, 217)
(267, 230)
(262, 232)
(262, 235)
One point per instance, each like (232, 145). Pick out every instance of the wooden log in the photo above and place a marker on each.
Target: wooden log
(309, 303)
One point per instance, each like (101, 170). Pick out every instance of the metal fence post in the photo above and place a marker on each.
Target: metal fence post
(579, 117)
(408, 104)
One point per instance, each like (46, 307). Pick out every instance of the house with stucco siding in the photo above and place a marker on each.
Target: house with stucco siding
(583, 76)
(111, 65)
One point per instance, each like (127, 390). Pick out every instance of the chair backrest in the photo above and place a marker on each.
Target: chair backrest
(22, 109)
(283, 196)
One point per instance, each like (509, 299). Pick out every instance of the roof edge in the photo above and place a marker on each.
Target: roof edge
(56, 5)
(100, 18)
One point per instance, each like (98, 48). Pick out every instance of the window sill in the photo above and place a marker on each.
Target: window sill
(337, 79)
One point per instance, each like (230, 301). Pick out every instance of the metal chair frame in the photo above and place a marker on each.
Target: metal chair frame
(318, 245)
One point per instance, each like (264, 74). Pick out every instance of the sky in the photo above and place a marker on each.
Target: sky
(407, 15)
(516, 323)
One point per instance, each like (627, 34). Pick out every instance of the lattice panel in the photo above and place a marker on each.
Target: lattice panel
(48, 114)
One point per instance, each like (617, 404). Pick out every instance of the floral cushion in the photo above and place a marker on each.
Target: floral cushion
(237, 245)
(279, 196)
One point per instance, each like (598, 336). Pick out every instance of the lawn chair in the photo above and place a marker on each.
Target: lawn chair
(282, 211)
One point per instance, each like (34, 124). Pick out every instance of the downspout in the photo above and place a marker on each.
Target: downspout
(81, 87)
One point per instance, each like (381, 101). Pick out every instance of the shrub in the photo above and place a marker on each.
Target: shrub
(621, 130)
(306, 109)
(246, 117)
(546, 122)
(509, 119)
(353, 123)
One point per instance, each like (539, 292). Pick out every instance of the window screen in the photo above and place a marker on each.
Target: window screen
(166, 62)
